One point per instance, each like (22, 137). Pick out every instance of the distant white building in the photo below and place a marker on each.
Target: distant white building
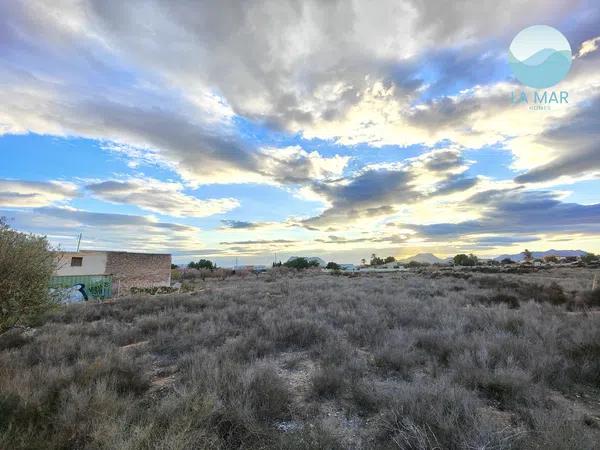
(391, 265)
(251, 268)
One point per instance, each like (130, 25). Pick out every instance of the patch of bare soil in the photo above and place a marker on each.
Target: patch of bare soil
(134, 345)
(297, 370)
(581, 406)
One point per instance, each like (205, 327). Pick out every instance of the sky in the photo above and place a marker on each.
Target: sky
(268, 129)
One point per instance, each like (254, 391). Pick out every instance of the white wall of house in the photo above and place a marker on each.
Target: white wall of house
(93, 263)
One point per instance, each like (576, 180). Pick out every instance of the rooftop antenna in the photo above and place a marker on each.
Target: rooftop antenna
(79, 241)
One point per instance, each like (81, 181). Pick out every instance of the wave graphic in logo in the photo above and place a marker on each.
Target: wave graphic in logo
(540, 56)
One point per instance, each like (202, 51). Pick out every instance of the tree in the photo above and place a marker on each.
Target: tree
(589, 258)
(174, 266)
(301, 263)
(363, 261)
(332, 266)
(507, 261)
(551, 259)
(376, 260)
(465, 260)
(389, 259)
(527, 256)
(26, 265)
(202, 264)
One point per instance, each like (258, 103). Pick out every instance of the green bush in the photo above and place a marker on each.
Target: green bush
(26, 265)
(301, 263)
(465, 260)
(202, 264)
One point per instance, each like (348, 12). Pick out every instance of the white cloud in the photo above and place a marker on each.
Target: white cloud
(589, 46)
(162, 197)
(31, 194)
(106, 230)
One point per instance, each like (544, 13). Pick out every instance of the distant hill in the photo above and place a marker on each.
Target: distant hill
(321, 262)
(517, 257)
(427, 258)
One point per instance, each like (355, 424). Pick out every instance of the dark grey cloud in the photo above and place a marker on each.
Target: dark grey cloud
(281, 63)
(520, 211)
(105, 230)
(95, 219)
(445, 112)
(371, 193)
(379, 191)
(440, 161)
(240, 224)
(455, 183)
(200, 151)
(499, 240)
(369, 188)
(22, 193)
(445, 22)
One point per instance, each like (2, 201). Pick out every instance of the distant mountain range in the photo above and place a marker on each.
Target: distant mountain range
(517, 257)
(430, 258)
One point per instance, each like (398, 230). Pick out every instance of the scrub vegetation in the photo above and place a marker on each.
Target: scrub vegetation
(308, 360)
(26, 265)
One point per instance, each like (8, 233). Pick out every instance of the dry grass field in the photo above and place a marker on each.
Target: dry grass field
(302, 360)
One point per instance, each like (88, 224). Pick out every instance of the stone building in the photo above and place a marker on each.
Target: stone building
(124, 269)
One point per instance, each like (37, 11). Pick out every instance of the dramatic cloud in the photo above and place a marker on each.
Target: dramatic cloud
(381, 189)
(29, 194)
(576, 142)
(160, 197)
(105, 230)
(498, 240)
(443, 160)
(297, 118)
(520, 211)
(255, 65)
(371, 193)
(240, 224)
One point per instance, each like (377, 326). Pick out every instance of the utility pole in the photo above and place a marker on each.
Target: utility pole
(79, 241)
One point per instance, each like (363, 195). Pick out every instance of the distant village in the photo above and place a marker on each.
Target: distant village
(106, 274)
(524, 260)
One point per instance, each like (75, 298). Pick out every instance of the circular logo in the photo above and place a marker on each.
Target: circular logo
(540, 56)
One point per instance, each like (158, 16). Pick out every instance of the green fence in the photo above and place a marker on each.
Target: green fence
(96, 286)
